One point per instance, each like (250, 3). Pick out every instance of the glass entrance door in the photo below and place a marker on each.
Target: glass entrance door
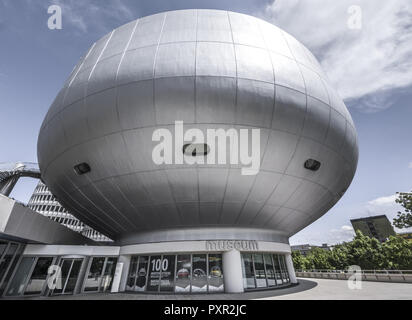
(70, 269)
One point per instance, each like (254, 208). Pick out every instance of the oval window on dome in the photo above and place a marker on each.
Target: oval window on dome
(196, 149)
(312, 165)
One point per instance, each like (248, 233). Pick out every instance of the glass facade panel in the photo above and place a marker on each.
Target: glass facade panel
(3, 247)
(176, 273)
(155, 266)
(9, 272)
(94, 276)
(168, 274)
(141, 273)
(183, 273)
(132, 274)
(285, 274)
(38, 277)
(264, 270)
(260, 273)
(199, 277)
(278, 271)
(21, 277)
(72, 278)
(215, 273)
(65, 266)
(270, 272)
(7, 258)
(108, 274)
(248, 272)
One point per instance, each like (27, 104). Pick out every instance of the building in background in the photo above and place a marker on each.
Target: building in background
(378, 227)
(43, 202)
(305, 249)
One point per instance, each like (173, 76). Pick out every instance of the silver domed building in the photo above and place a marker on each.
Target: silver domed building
(212, 70)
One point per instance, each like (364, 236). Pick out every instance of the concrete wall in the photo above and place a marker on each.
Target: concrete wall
(18, 221)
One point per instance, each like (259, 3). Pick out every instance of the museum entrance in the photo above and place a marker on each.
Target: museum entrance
(182, 273)
(70, 269)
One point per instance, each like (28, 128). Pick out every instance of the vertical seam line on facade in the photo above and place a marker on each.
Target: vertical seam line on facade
(236, 112)
(271, 121)
(88, 125)
(118, 115)
(229, 169)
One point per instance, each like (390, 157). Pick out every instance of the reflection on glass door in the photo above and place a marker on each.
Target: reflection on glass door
(108, 274)
(270, 272)
(21, 276)
(72, 278)
(183, 273)
(278, 270)
(260, 273)
(94, 275)
(38, 277)
(70, 269)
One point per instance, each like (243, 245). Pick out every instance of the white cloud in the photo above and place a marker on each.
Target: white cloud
(390, 200)
(410, 165)
(366, 63)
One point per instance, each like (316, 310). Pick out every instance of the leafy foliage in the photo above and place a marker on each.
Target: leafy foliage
(404, 219)
(366, 252)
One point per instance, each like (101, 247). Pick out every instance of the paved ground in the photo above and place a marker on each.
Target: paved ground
(308, 289)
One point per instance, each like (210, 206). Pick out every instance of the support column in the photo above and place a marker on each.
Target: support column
(291, 268)
(125, 261)
(232, 272)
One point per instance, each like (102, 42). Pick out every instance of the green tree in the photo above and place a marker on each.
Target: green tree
(404, 219)
(338, 257)
(398, 253)
(365, 252)
(299, 261)
(319, 259)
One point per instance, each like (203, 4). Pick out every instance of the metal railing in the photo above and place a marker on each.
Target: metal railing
(367, 275)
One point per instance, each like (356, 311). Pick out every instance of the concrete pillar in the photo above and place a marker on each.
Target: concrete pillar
(124, 273)
(232, 272)
(117, 277)
(291, 268)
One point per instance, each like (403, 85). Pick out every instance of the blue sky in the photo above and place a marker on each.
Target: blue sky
(370, 67)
